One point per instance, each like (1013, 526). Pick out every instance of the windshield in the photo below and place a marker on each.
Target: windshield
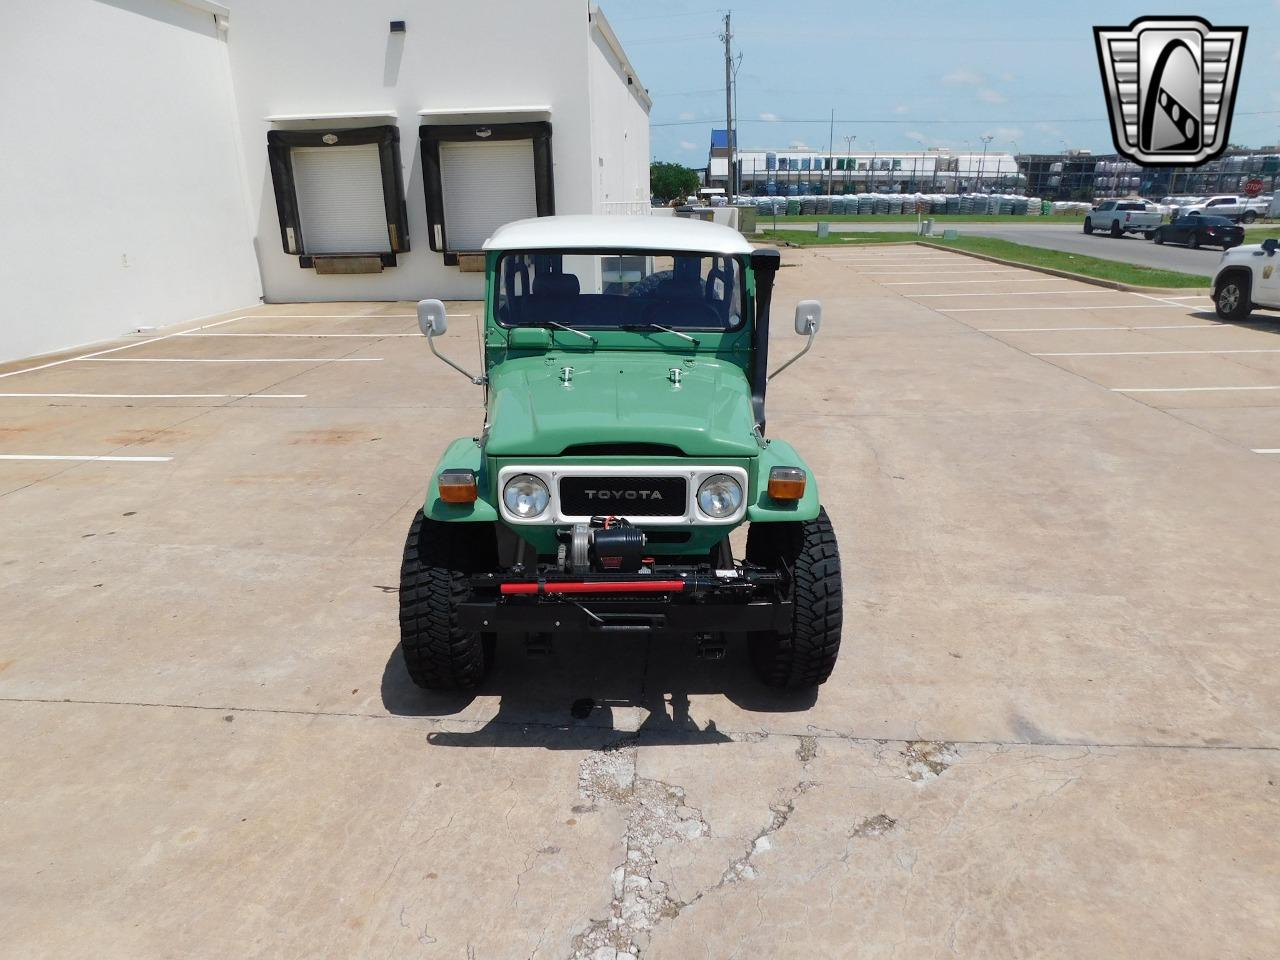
(597, 290)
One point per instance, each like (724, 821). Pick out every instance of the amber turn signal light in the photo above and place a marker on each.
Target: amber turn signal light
(457, 486)
(786, 483)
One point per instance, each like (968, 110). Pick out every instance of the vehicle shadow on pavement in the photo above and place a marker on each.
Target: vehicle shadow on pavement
(589, 691)
(1255, 321)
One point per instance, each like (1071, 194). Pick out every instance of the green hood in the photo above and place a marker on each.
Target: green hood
(619, 397)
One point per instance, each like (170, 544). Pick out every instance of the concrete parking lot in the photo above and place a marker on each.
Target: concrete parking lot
(1052, 730)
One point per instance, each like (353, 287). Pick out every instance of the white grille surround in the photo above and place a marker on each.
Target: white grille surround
(691, 515)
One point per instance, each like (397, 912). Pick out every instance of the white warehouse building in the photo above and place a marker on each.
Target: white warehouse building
(184, 158)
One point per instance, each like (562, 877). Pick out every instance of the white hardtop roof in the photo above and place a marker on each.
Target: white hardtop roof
(618, 233)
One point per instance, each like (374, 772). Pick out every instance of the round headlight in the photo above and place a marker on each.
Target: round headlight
(720, 496)
(525, 496)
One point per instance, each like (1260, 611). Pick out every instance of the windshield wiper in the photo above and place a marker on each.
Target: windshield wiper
(560, 326)
(657, 326)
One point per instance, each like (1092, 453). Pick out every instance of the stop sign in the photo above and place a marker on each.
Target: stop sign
(1253, 187)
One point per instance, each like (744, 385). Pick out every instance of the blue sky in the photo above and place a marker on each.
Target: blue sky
(907, 76)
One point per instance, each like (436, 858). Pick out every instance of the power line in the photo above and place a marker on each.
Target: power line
(922, 122)
(691, 36)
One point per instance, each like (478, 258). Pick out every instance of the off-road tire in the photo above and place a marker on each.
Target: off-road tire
(1116, 232)
(805, 656)
(1088, 225)
(1158, 237)
(438, 561)
(1194, 242)
(1249, 216)
(1231, 297)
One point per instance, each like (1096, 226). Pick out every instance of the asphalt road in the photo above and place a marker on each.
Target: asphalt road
(1067, 237)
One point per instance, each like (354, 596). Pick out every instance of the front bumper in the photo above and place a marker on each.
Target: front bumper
(628, 603)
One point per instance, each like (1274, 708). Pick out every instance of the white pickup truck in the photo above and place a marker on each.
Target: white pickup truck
(1231, 206)
(1119, 217)
(1246, 278)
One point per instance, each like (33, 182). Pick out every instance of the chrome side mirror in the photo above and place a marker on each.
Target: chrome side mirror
(433, 321)
(808, 317)
(431, 318)
(808, 320)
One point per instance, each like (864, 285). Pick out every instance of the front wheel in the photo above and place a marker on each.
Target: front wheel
(805, 655)
(438, 561)
(1231, 299)
(1194, 242)
(1249, 216)
(1088, 225)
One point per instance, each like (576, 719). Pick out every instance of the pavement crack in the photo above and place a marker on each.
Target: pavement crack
(530, 723)
(657, 814)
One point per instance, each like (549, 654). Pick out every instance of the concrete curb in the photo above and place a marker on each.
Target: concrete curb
(1068, 275)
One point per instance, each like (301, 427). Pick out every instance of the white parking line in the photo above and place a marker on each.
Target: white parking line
(164, 396)
(1162, 326)
(1020, 293)
(368, 336)
(37, 456)
(917, 283)
(232, 359)
(1183, 389)
(1113, 306)
(99, 353)
(1153, 353)
(1266, 449)
(930, 273)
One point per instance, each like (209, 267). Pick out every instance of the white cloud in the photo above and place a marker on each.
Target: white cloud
(987, 95)
(687, 145)
(769, 117)
(688, 116)
(902, 108)
(963, 77)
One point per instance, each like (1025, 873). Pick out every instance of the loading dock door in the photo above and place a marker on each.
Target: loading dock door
(485, 185)
(341, 207)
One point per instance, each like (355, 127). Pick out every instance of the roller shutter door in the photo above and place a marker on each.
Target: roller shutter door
(341, 208)
(485, 185)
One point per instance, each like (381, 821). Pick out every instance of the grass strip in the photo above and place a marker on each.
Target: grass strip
(1074, 263)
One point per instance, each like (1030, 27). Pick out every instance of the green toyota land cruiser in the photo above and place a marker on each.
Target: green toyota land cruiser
(625, 366)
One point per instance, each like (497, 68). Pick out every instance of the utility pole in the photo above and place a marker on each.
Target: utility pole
(831, 164)
(986, 139)
(848, 154)
(727, 37)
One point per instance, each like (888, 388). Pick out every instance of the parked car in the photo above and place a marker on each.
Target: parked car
(1231, 206)
(625, 367)
(1119, 217)
(1247, 278)
(1198, 231)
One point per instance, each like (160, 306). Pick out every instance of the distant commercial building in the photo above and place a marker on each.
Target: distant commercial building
(1081, 175)
(797, 172)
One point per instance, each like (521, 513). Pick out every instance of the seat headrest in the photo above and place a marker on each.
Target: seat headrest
(556, 285)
